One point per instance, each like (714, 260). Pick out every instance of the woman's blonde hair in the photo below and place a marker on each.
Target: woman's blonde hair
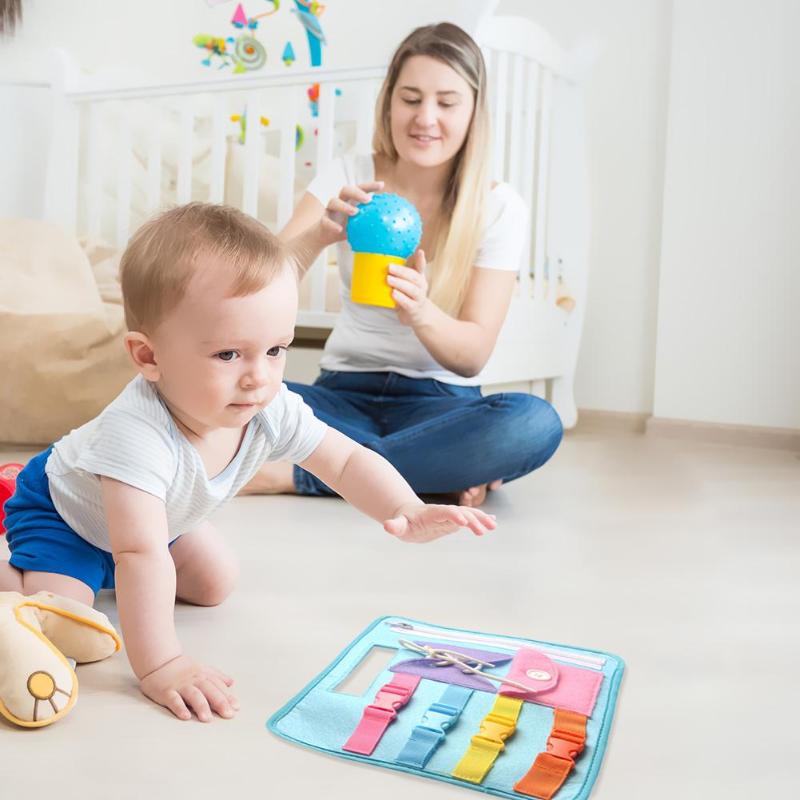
(161, 258)
(464, 202)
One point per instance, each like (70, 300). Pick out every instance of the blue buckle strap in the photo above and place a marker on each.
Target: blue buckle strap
(433, 727)
(439, 717)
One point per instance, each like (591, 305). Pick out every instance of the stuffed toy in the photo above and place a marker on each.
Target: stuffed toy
(37, 635)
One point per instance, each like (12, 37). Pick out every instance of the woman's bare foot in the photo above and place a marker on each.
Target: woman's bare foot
(274, 477)
(475, 495)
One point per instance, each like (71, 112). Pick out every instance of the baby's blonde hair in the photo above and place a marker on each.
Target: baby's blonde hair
(464, 202)
(160, 258)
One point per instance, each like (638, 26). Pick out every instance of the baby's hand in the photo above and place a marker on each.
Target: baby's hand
(424, 523)
(183, 684)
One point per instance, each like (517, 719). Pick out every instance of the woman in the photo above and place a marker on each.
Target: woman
(405, 381)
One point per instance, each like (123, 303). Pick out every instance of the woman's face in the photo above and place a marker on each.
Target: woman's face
(431, 110)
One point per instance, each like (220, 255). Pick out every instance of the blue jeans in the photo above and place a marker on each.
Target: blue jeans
(440, 437)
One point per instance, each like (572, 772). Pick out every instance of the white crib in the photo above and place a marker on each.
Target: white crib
(119, 153)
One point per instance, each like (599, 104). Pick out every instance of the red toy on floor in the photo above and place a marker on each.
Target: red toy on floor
(8, 482)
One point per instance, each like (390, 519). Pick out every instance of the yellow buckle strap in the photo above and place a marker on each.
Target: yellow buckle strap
(489, 742)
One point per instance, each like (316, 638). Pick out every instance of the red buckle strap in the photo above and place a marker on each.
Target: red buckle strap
(391, 697)
(380, 713)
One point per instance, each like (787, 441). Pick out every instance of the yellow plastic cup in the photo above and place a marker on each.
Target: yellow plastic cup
(368, 285)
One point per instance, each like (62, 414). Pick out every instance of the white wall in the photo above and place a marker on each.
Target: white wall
(729, 298)
(626, 97)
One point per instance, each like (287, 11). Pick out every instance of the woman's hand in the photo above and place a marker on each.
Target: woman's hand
(332, 226)
(410, 289)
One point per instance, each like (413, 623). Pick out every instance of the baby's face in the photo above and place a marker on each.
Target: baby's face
(221, 358)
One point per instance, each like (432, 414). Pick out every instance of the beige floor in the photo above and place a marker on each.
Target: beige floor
(682, 558)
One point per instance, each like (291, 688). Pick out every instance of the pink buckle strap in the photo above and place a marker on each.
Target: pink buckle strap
(380, 713)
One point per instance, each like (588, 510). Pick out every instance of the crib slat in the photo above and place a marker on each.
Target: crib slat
(123, 180)
(490, 60)
(252, 155)
(93, 151)
(184, 184)
(529, 144)
(542, 163)
(366, 118)
(499, 117)
(327, 97)
(325, 120)
(287, 157)
(488, 56)
(61, 183)
(517, 108)
(219, 120)
(153, 190)
(317, 275)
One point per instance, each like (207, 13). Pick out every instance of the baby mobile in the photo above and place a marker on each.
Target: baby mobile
(246, 53)
(308, 13)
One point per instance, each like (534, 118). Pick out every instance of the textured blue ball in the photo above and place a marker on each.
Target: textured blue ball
(388, 224)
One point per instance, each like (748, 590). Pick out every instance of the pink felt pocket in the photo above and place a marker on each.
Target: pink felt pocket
(551, 684)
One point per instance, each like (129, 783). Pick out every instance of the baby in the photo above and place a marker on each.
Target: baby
(210, 302)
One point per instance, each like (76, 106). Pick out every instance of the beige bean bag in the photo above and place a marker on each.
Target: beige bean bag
(61, 329)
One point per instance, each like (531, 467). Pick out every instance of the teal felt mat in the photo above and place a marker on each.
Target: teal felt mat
(322, 716)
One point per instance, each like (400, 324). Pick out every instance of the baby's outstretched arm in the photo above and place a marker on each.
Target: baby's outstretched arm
(370, 483)
(145, 583)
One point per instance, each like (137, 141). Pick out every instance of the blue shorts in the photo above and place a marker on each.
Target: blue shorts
(41, 541)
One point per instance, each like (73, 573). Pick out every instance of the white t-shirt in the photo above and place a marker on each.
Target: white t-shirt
(135, 440)
(372, 339)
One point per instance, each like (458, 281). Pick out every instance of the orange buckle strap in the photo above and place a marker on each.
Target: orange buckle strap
(550, 769)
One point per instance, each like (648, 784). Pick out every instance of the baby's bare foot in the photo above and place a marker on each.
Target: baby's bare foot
(475, 495)
(275, 477)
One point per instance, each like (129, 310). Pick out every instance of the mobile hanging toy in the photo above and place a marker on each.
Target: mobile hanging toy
(308, 13)
(244, 52)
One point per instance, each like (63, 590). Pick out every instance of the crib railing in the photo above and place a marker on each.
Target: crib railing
(527, 71)
(198, 111)
(540, 148)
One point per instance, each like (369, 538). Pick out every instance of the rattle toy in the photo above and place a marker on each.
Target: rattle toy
(387, 230)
